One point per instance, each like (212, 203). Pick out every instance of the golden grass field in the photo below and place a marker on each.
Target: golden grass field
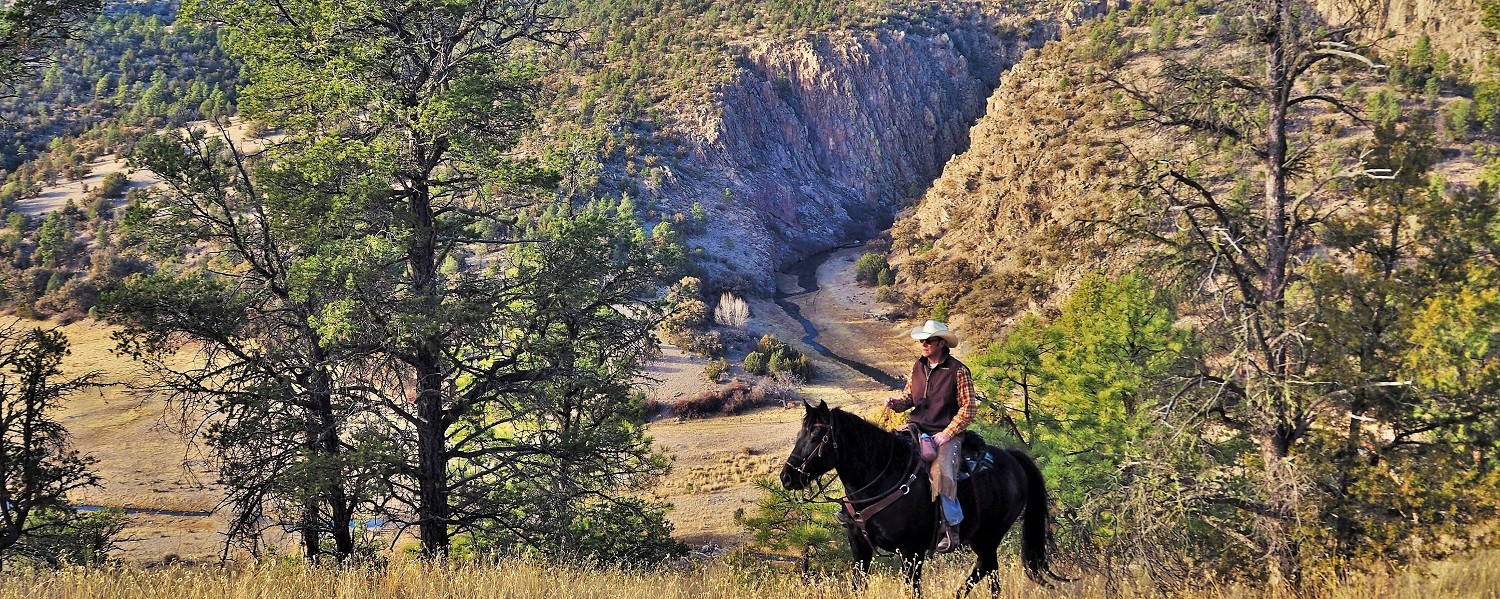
(1471, 578)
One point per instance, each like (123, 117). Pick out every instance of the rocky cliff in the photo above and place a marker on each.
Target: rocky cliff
(1451, 25)
(817, 141)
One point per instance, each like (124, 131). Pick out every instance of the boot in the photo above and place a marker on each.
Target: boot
(949, 537)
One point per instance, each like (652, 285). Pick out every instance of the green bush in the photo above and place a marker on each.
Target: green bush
(939, 312)
(868, 268)
(885, 278)
(72, 538)
(1458, 116)
(808, 531)
(785, 360)
(1487, 105)
(113, 185)
(755, 363)
(769, 344)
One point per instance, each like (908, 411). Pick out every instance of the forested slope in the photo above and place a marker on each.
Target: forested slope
(1238, 261)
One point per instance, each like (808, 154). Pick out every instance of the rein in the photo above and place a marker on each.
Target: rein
(858, 517)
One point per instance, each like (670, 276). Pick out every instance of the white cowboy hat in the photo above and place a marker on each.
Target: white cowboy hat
(933, 328)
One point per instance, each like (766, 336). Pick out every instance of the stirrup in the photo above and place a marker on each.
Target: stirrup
(949, 542)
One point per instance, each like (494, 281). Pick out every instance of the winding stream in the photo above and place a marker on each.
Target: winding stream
(806, 272)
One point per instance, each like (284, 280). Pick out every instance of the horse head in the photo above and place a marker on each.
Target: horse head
(814, 452)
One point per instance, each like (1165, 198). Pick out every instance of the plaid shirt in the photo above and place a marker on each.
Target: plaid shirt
(968, 404)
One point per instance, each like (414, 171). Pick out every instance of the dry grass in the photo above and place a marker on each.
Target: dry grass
(1477, 577)
(736, 469)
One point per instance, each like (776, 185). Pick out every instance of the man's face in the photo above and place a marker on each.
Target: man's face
(932, 347)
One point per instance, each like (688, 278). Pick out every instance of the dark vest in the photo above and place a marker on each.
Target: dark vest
(934, 396)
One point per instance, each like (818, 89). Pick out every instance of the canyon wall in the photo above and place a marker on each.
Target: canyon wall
(820, 141)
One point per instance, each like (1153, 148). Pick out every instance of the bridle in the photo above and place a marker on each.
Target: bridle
(815, 452)
(879, 501)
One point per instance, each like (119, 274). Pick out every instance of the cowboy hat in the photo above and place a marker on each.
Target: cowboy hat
(933, 328)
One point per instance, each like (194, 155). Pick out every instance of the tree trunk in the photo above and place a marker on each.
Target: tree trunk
(432, 426)
(1282, 566)
(1276, 435)
(432, 468)
(334, 491)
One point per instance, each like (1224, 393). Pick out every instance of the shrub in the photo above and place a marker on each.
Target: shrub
(889, 295)
(784, 522)
(651, 408)
(1487, 105)
(769, 344)
(256, 129)
(113, 185)
(73, 539)
(715, 370)
(867, 269)
(755, 363)
(1459, 116)
(689, 316)
(735, 398)
(703, 404)
(939, 312)
(885, 278)
(620, 532)
(792, 363)
(710, 344)
(71, 299)
(781, 359)
(732, 311)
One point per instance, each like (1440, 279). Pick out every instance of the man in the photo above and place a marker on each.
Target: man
(940, 394)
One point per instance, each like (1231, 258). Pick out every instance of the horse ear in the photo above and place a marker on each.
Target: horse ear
(821, 407)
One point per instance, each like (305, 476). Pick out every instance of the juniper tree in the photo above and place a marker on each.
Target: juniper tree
(270, 392)
(1251, 89)
(38, 467)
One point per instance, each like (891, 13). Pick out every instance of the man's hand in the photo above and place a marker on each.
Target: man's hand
(942, 439)
(897, 404)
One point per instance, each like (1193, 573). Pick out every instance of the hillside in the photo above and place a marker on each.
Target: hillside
(1016, 220)
(782, 135)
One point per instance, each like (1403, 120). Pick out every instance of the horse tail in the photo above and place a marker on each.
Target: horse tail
(1036, 536)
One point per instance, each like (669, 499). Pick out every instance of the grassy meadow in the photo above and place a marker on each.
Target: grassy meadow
(1473, 577)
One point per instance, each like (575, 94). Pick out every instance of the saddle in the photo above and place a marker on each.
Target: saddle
(976, 454)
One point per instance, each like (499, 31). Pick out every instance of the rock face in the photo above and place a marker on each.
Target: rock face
(816, 142)
(1451, 25)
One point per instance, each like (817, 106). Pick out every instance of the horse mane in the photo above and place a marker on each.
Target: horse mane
(864, 433)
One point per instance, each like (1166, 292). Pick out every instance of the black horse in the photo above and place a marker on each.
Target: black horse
(888, 491)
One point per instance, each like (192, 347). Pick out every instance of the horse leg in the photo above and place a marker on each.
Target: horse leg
(986, 561)
(863, 553)
(911, 568)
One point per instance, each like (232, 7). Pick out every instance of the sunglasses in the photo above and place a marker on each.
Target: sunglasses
(930, 341)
